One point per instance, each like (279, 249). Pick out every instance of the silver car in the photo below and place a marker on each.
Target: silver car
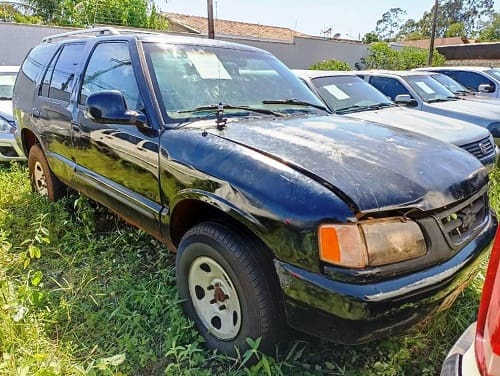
(419, 91)
(9, 150)
(346, 94)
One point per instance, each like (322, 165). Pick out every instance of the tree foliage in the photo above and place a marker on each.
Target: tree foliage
(331, 64)
(463, 18)
(491, 32)
(390, 22)
(382, 56)
(370, 38)
(79, 13)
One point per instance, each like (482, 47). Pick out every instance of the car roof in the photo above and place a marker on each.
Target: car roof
(309, 73)
(9, 68)
(393, 73)
(149, 37)
(463, 68)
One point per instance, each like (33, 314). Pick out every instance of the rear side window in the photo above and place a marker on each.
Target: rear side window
(389, 86)
(64, 72)
(36, 61)
(471, 80)
(110, 68)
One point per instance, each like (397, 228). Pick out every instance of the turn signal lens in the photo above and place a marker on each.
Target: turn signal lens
(371, 243)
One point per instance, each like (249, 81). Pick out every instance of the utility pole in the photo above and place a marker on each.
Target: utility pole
(211, 29)
(433, 33)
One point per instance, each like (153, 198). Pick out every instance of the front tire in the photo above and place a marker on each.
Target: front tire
(229, 289)
(43, 181)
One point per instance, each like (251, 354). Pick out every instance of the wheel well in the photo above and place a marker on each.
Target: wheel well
(189, 213)
(29, 139)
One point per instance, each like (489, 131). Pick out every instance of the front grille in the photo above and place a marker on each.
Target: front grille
(463, 221)
(481, 148)
(8, 151)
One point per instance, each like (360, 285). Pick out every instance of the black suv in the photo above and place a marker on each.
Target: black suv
(279, 211)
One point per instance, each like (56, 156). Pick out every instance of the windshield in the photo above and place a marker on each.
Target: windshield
(349, 93)
(494, 73)
(450, 83)
(429, 89)
(191, 80)
(7, 81)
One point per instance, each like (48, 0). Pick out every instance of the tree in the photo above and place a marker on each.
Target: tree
(382, 56)
(331, 64)
(390, 23)
(456, 29)
(491, 31)
(370, 38)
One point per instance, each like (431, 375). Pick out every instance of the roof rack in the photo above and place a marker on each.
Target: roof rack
(94, 32)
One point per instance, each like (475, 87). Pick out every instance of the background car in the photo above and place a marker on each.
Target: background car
(9, 150)
(477, 351)
(346, 94)
(419, 91)
(482, 80)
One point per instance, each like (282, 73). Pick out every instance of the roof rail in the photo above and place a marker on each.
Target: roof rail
(98, 31)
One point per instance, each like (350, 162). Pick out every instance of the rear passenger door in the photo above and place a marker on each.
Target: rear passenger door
(53, 107)
(117, 164)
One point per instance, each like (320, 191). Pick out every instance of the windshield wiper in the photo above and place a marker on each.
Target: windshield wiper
(356, 107)
(440, 100)
(215, 107)
(5, 98)
(295, 102)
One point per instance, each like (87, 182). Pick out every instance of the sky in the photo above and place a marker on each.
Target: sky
(350, 18)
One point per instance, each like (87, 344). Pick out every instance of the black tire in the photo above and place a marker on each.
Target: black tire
(43, 181)
(251, 275)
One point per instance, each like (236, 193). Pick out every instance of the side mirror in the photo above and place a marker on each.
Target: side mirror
(485, 88)
(109, 106)
(406, 100)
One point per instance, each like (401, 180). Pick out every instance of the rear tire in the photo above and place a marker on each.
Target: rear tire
(229, 289)
(43, 181)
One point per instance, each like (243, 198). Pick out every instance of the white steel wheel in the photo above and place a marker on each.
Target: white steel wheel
(39, 179)
(214, 298)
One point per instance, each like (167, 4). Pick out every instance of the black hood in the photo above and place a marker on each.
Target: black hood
(373, 166)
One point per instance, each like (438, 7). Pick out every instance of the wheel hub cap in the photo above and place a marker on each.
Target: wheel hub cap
(214, 298)
(39, 180)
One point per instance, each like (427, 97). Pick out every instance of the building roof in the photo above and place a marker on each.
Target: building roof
(425, 43)
(199, 25)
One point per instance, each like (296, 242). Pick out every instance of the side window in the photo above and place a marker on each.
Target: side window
(389, 86)
(44, 87)
(36, 61)
(470, 80)
(63, 76)
(110, 68)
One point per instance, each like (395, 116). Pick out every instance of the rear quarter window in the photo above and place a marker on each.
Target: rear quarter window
(36, 62)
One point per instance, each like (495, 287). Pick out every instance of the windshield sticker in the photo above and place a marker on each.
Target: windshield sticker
(422, 85)
(208, 65)
(336, 92)
(7, 80)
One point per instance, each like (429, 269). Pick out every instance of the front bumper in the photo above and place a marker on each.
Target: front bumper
(352, 313)
(461, 360)
(9, 149)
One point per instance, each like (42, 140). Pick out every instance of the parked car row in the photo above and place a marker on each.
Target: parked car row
(343, 226)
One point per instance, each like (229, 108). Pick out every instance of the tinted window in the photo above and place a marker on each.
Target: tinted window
(64, 73)
(44, 87)
(37, 60)
(389, 86)
(110, 68)
(429, 89)
(470, 80)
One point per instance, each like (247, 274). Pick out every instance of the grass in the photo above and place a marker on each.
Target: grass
(82, 293)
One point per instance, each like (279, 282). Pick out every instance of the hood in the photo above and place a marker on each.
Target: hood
(443, 128)
(479, 113)
(377, 167)
(6, 110)
(482, 99)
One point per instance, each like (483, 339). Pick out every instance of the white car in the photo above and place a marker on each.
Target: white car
(346, 94)
(477, 351)
(483, 80)
(9, 150)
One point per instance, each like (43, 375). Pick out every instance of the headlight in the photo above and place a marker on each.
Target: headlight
(371, 243)
(6, 126)
(494, 129)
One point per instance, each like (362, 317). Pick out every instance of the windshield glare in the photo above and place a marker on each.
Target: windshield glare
(494, 73)
(189, 77)
(343, 92)
(7, 81)
(449, 83)
(429, 89)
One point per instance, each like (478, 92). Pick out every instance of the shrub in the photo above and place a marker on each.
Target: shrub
(331, 64)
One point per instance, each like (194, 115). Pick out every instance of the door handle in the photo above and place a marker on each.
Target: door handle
(75, 127)
(35, 113)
